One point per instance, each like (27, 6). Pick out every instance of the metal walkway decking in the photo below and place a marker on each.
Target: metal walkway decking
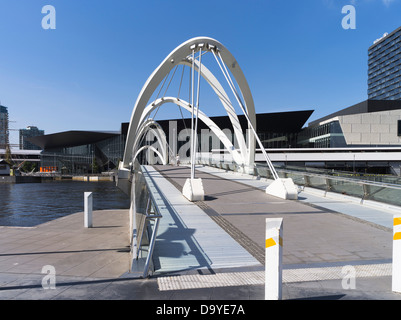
(189, 239)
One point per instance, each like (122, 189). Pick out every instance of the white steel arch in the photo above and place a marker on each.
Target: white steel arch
(160, 135)
(202, 116)
(180, 56)
(185, 55)
(152, 148)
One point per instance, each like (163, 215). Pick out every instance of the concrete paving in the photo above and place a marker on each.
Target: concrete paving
(77, 255)
(93, 263)
(311, 234)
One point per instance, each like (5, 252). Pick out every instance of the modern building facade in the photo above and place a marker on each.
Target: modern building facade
(371, 123)
(384, 74)
(81, 152)
(29, 132)
(4, 134)
(364, 137)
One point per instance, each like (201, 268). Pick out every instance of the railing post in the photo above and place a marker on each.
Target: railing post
(396, 275)
(307, 181)
(328, 185)
(151, 247)
(366, 191)
(273, 259)
(88, 207)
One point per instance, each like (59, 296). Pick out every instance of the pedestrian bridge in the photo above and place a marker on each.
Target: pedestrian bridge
(207, 217)
(225, 232)
(159, 91)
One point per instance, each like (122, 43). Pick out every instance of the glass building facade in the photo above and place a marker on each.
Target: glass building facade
(96, 157)
(384, 74)
(81, 152)
(326, 135)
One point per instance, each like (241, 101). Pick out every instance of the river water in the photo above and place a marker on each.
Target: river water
(30, 204)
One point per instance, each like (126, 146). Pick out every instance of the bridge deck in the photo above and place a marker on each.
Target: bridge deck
(313, 235)
(189, 239)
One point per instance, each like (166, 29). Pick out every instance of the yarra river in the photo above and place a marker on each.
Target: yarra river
(30, 204)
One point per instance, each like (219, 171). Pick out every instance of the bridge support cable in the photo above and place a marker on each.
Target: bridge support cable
(193, 188)
(233, 89)
(192, 109)
(197, 112)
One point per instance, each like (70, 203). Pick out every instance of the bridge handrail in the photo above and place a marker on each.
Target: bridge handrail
(332, 177)
(364, 189)
(148, 205)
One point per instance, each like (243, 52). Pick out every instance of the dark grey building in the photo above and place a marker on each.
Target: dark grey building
(384, 74)
(4, 142)
(29, 132)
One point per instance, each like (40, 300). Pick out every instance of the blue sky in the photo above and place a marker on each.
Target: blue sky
(87, 73)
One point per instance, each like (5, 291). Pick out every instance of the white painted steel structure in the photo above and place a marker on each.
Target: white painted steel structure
(185, 54)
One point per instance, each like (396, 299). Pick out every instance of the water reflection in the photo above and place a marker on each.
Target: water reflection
(30, 204)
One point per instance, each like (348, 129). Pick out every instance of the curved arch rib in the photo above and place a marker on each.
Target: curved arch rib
(225, 101)
(149, 147)
(283, 188)
(159, 134)
(203, 117)
(177, 56)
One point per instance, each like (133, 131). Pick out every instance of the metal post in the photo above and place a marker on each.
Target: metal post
(396, 275)
(192, 111)
(274, 259)
(328, 185)
(307, 181)
(88, 207)
(151, 247)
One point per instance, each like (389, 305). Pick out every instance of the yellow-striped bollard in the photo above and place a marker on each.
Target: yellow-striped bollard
(273, 258)
(396, 276)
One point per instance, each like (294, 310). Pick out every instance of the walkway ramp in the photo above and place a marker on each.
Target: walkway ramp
(189, 239)
(313, 234)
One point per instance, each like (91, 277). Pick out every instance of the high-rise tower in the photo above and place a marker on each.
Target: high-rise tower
(29, 132)
(384, 74)
(4, 137)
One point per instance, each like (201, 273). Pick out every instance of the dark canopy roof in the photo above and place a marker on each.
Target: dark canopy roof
(277, 122)
(274, 122)
(70, 138)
